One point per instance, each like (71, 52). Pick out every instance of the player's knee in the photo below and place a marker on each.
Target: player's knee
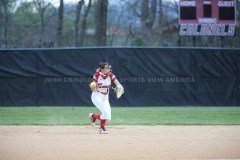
(108, 117)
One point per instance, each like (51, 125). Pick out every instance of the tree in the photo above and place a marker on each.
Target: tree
(84, 23)
(5, 7)
(101, 22)
(77, 20)
(42, 6)
(116, 23)
(160, 22)
(60, 23)
(148, 14)
(4, 4)
(24, 22)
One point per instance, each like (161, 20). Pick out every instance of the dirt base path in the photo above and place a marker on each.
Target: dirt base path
(122, 143)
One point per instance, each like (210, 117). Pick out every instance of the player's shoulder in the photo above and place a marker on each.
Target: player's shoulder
(96, 74)
(112, 76)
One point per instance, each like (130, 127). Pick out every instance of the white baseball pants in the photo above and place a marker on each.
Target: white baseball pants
(101, 101)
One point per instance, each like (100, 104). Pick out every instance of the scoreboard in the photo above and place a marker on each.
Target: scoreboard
(207, 17)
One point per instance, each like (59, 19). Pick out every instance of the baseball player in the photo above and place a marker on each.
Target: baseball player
(100, 86)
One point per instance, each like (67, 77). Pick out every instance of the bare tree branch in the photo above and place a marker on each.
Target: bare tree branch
(117, 26)
(101, 22)
(84, 23)
(60, 23)
(77, 20)
(133, 5)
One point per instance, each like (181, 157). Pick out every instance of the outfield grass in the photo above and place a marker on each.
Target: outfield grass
(121, 115)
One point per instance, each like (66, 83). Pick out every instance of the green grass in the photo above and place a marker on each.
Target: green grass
(121, 115)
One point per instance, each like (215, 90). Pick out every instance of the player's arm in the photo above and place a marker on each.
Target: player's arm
(116, 82)
(93, 85)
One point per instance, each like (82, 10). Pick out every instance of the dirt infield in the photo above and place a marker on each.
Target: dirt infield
(122, 143)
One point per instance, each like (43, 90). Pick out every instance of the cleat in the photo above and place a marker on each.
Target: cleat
(92, 121)
(103, 131)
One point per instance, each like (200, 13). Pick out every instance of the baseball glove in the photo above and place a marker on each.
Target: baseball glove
(119, 90)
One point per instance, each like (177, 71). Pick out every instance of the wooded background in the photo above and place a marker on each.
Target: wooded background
(44, 24)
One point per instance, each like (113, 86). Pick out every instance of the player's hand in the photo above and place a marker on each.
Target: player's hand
(93, 86)
(94, 90)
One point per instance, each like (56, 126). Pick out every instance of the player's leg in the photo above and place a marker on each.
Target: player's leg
(102, 103)
(92, 119)
(106, 115)
(98, 101)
